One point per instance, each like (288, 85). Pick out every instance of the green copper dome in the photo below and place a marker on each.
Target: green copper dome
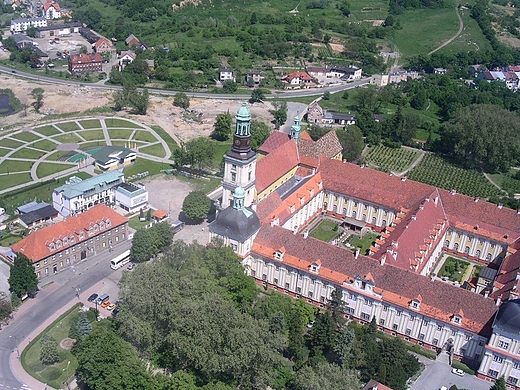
(243, 113)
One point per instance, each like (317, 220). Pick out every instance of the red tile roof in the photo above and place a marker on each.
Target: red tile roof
(398, 287)
(273, 142)
(159, 214)
(310, 151)
(275, 165)
(301, 75)
(36, 245)
(85, 58)
(406, 247)
(56, 6)
(375, 385)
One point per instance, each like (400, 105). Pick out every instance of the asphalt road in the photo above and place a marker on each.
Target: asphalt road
(84, 275)
(437, 374)
(277, 94)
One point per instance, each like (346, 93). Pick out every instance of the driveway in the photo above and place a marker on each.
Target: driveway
(438, 374)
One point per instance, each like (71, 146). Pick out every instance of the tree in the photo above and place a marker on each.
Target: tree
(325, 376)
(500, 384)
(164, 234)
(316, 132)
(107, 362)
(145, 245)
(229, 86)
(37, 94)
(343, 345)
(337, 307)
(326, 95)
(222, 129)
(149, 215)
(181, 100)
(259, 133)
(279, 113)
(49, 350)
(84, 326)
(351, 140)
(22, 278)
(257, 96)
(31, 32)
(196, 205)
(139, 102)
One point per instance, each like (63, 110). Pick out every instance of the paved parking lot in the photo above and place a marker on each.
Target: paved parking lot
(438, 374)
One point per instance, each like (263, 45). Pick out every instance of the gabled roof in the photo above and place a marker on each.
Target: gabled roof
(56, 6)
(102, 41)
(273, 142)
(132, 39)
(276, 164)
(36, 245)
(108, 153)
(397, 286)
(39, 215)
(301, 75)
(128, 53)
(85, 58)
(100, 182)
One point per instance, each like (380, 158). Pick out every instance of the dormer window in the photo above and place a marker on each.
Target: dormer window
(52, 246)
(58, 244)
(91, 231)
(71, 239)
(302, 200)
(292, 208)
(315, 266)
(456, 319)
(65, 240)
(415, 304)
(278, 255)
(96, 227)
(312, 192)
(108, 222)
(81, 235)
(102, 225)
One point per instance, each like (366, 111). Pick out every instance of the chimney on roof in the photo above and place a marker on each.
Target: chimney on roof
(356, 255)
(433, 277)
(436, 200)
(453, 192)
(476, 199)
(344, 161)
(305, 234)
(500, 205)
(383, 260)
(403, 178)
(499, 300)
(295, 230)
(486, 294)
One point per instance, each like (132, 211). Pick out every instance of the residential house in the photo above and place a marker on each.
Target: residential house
(59, 246)
(346, 72)
(103, 45)
(327, 118)
(111, 157)
(440, 70)
(85, 63)
(125, 58)
(131, 197)
(131, 41)
(78, 196)
(315, 71)
(297, 80)
(375, 385)
(226, 74)
(51, 10)
(380, 80)
(21, 25)
(151, 65)
(253, 77)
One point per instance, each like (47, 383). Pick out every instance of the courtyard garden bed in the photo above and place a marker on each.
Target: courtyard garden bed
(364, 242)
(453, 269)
(325, 231)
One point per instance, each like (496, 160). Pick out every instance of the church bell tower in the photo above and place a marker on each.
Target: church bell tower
(240, 161)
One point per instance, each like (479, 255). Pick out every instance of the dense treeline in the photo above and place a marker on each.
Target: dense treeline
(398, 6)
(196, 314)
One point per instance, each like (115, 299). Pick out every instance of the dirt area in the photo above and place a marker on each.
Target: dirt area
(337, 47)
(61, 99)
(510, 40)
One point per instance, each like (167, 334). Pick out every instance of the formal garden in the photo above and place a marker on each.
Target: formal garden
(391, 159)
(455, 270)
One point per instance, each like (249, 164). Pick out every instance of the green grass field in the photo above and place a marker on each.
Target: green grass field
(166, 137)
(438, 172)
(141, 165)
(364, 242)
(4, 151)
(68, 126)
(90, 124)
(325, 231)
(10, 143)
(11, 180)
(120, 133)
(68, 138)
(10, 166)
(46, 169)
(47, 130)
(154, 150)
(45, 145)
(25, 136)
(143, 135)
(27, 153)
(389, 159)
(92, 135)
(116, 122)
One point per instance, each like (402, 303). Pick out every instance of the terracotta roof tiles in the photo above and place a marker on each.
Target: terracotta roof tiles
(275, 165)
(273, 142)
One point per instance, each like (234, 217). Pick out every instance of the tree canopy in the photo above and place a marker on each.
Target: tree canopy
(259, 133)
(196, 205)
(223, 127)
(197, 153)
(351, 140)
(22, 278)
(181, 100)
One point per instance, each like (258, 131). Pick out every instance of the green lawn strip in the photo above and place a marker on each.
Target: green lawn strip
(154, 150)
(363, 10)
(68, 138)
(4, 151)
(221, 148)
(25, 136)
(145, 135)
(142, 165)
(47, 130)
(134, 222)
(117, 122)
(53, 375)
(166, 137)
(391, 159)
(120, 143)
(364, 242)
(28, 153)
(120, 133)
(45, 144)
(90, 123)
(92, 135)
(57, 155)
(10, 143)
(68, 126)
(411, 347)
(458, 364)
(325, 231)
(12, 166)
(8, 239)
(8, 181)
(46, 169)
(92, 145)
(438, 172)
(425, 29)
(41, 192)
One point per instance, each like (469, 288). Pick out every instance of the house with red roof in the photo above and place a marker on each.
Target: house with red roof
(103, 45)
(59, 246)
(298, 80)
(51, 10)
(85, 63)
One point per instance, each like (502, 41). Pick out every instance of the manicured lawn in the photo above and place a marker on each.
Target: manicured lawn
(438, 172)
(154, 150)
(92, 145)
(56, 155)
(68, 138)
(166, 137)
(28, 153)
(92, 135)
(198, 184)
(221, 148)
(142, 165)
(10, 143)
(120, 133)
(134, 222)
(68, 126)
(46, 169)
(45, 145)
(144, 135)
(120, 143)
(325, 231)
(389, 159)
(4, 151)
(9, 239)
(39, 192)
(90, 124)
(364, 242)
(47, 130)
(10, 166)
(117, 122)
(454, 269)
(55, 374)
(8, 181)
(26, 136)
(425, 29)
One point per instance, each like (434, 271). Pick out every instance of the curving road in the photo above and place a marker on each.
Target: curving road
(276, 95)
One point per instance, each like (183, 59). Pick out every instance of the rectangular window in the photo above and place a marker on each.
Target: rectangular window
(421, 336)
(439, 327)
(498, 359)
(385, 308)
(399, 312)
(512, 380)
(395, 326)
(408, 332)
(516, 366)
(435, 341)
(493, 373)
(503, 344)
(275, 281)
(382, 321)
(264, 277)
(298, 290)
(365, 316)
(287, 286)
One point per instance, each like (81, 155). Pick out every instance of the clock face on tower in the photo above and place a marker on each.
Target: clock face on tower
(237, 142)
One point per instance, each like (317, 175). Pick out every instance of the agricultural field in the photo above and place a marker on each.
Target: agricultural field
(390, 159)
(438, 172)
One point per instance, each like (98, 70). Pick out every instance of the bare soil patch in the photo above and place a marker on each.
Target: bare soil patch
(509, 40)
(67, 343)
(337, 47)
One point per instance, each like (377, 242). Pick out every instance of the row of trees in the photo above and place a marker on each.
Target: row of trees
(130, 97)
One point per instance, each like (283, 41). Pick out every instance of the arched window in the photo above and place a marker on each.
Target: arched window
(447, 243)
(456, 246)
(374, 220)
(477, 253)
(466, 250)
(488, 257)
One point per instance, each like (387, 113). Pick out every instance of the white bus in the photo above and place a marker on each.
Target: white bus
(120, 260)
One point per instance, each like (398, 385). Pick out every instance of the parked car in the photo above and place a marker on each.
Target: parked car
(105, 304)
(92, 298)
(457, 371)
(111, 307)
(130, 266)
(310, 324)
(115, 311)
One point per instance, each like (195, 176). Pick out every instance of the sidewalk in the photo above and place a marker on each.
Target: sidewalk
(14, 361)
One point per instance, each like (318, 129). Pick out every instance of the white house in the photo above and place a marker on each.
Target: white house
(19, 25)
(51, 10)
(125, 58)
(131, 197)
(226, 74)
